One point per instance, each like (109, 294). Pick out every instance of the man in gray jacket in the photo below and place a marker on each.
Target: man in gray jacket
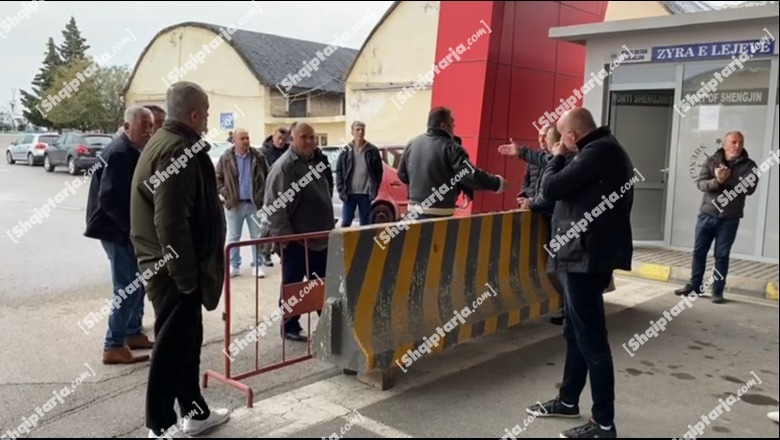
(723, 181)
(305, 207)
(434, 164)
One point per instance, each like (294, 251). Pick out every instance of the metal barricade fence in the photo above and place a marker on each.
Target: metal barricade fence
(305, 305)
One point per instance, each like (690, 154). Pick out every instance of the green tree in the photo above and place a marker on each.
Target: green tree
(110, 81)
(74, 46)
(95, 100)
(42, 81)
(79, 107)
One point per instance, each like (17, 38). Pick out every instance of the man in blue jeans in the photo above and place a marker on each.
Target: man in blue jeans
(586, 260)
(241, 174)
(108, 220)
(358, 176)
(726, 179)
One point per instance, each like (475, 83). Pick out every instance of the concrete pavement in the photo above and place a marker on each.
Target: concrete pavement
(481, 388)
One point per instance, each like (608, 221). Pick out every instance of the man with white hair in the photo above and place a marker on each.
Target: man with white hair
(108, 220)
(180, 214)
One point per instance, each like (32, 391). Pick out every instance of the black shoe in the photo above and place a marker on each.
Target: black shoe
(557, 320)
(687, 289)
(267, 262)
(590, 430)
(296, 336)
(718, 299)
(553, 408)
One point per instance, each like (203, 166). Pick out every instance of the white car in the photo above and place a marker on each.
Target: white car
(29, 148)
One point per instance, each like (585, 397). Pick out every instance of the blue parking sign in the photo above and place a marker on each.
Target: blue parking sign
(226, 121)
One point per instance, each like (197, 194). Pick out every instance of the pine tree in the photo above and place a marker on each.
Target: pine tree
(42, 82)
(74, 46)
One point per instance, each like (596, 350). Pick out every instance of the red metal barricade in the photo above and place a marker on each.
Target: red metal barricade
(311, 302)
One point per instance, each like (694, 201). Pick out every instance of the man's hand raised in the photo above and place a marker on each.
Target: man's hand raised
(509, 149)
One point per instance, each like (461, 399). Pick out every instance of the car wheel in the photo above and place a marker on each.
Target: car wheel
(9, 158)
(382, 213)
(47, 164)
(72, 170)
(30, 160)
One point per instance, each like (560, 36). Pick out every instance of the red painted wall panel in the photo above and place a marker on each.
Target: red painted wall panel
(508, 78)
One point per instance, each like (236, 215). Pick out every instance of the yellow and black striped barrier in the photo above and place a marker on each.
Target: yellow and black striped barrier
(383, 298)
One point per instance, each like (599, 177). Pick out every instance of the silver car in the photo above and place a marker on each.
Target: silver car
(29, 148)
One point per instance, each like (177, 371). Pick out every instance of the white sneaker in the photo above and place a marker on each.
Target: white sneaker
(234, 272)
(773, 416)
(260, 273)
(217, 417)
(170, 434)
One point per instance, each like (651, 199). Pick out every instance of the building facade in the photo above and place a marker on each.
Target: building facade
(673, 100)
(250, 78)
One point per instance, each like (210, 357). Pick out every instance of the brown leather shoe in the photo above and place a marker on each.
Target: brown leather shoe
(140, 342)
(121, 355)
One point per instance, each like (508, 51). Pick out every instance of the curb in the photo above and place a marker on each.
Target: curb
(669, 274)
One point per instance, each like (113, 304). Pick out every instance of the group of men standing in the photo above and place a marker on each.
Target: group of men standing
(193, 213)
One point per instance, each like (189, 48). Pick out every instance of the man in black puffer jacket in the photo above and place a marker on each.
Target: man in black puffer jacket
(275, 145)
(589, 192)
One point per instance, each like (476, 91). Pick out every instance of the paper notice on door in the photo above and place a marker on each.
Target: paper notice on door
(708, 117)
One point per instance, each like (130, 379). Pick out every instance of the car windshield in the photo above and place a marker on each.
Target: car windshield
(98, 141)
(217, 149)
(47, 139)
(333, 155)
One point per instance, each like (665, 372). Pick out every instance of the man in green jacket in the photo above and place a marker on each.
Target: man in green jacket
(175, 209)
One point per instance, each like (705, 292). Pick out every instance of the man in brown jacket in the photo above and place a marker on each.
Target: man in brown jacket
(241, 174)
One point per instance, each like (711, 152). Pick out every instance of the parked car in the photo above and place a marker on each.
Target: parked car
(392, 201)
(217, 150)
(29, 148)
(77, 151)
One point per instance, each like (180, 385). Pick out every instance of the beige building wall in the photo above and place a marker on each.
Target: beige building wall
(402, 47)
(242, 95)
(629, 10)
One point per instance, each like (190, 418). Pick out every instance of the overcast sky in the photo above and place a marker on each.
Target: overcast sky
(104, 24)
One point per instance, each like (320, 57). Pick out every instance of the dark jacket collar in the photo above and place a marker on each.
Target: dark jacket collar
(367, 146)
(592, 136)
(439, 133)
(721, 155)
(188, 133)
(128, 143)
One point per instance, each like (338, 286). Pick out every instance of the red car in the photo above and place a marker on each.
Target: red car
(392, 202)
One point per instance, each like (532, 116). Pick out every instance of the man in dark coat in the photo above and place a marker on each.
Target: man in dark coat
(589, 192)
(108, 220)
(359, 170)
(719, 214)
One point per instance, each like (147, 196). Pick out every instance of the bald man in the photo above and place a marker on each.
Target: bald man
(241, 173)
(301, 173)
(724, 172)
(585, 258)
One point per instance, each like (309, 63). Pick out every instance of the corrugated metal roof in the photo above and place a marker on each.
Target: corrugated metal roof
(271, 58)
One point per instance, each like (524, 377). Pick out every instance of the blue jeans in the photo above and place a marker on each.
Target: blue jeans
(124, 321)
(723, 232)
(362, 203)
(235, 226)
(587, 344)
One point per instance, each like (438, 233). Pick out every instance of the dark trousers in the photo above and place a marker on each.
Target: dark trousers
(587, 345)
(126, 320)
(362, 203)
(174, 373)
(723, 232)
(294, 270)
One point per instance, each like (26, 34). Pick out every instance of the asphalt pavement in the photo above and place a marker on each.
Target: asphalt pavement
(54, 276)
